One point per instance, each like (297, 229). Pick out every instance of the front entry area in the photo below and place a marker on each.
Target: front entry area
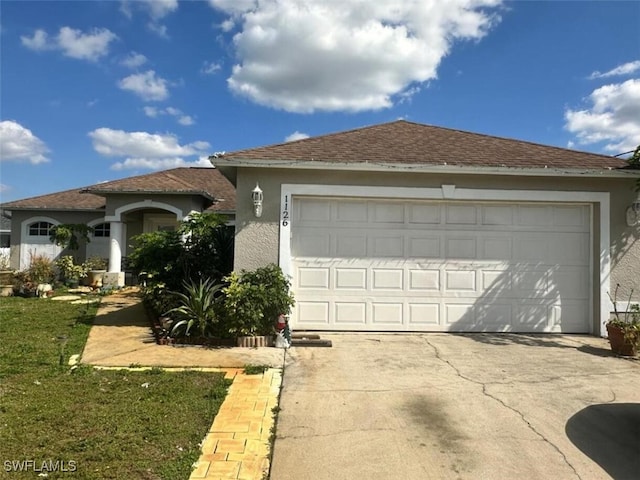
(376, 264)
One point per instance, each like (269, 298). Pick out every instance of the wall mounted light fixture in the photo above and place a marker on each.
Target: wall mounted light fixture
(257, 197)
(633, 213)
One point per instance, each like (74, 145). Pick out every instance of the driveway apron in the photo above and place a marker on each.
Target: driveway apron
(447, 406)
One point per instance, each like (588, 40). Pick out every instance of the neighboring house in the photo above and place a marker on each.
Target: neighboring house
(117, 211)
(5, 237)
(409, 227)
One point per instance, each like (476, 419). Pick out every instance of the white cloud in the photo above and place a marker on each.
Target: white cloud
(39, 41)
(352, 55)
(186, 120)
(5, 188)
(73, 43)
(20, 144)
(296, 136)
(210, 68)
(613, 118)
(152, 112)
(155, 112)
(134, 60)
(624, 69)
(146, 150)
(146, 85)
(155, 9)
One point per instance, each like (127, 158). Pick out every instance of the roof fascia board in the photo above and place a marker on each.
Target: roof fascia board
(445, 169)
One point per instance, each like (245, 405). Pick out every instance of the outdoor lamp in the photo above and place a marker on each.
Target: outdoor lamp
(256, 195)
(633, 213)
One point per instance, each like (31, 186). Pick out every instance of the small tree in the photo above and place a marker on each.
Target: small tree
(66, 235)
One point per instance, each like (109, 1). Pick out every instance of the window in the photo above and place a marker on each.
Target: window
(40, 229)
(102, 230)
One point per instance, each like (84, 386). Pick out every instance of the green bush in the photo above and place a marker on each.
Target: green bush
(254, 300)
(202, 248)
(196, 310)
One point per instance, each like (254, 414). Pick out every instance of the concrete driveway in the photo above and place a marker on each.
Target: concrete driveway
(446, 406)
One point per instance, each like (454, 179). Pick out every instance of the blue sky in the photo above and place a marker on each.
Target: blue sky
(93, 91)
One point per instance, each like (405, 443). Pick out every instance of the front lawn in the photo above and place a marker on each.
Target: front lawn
(95, 424)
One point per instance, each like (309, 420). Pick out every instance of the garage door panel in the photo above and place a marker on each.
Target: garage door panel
(571, 282)
(400, 265)
(424, 314)
(313, 244)
(531, 283)
(387, 313)
(569, 248)
(496, 282)
(387, 279)
(388, 212)
(352, 212)
(459, 214)
(425, 214)
(351, 278)
(313, 278)
(425, 247)
(461, 248)
(386, 246)
(533, 216)
(494, 317)
(496, 248)
(424, 280)
(456, 280)
(351, 245)
(497, 215)
(460, 316)
(350, 313)
(570, 216)
(316, 313)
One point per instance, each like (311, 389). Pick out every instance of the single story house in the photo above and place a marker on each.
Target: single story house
(117, 211)
(410, 227)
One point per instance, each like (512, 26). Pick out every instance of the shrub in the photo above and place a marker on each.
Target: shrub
(96, 263)
(196, 310)
(68, 269)
(254, 300)
(41, 269)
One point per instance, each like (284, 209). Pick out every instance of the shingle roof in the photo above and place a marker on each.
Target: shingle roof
(207, 182)
(412, 144)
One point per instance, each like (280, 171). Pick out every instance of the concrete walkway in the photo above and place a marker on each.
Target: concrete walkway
(237, 445)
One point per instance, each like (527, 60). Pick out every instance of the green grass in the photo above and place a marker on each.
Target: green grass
(111, 424)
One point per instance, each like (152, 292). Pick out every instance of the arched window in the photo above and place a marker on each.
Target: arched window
(40, 229)
(102, 230)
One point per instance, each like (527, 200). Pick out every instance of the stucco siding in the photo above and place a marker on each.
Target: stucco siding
(19, 217)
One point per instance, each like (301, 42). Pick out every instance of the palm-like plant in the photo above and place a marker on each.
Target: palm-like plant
(197, 308)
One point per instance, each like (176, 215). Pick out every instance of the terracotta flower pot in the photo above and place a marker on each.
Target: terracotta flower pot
(620, 344)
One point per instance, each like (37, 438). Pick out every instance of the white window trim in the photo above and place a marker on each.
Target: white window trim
(601, 201)
(24, 227)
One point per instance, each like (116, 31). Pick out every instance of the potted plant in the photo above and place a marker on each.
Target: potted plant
(623, 329)
(254, 301)
(70, 272)
(96, 267)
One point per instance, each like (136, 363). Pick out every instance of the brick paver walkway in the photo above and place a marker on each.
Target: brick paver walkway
(237, 445)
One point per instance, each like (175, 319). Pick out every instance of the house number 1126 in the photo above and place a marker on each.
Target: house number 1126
(285, 211)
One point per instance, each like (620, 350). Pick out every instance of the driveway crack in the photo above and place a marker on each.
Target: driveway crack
(501, 402)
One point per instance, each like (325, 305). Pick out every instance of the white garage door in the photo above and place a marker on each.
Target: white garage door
(388, 265)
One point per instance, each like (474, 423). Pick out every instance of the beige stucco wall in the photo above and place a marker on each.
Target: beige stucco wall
(257, 239)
